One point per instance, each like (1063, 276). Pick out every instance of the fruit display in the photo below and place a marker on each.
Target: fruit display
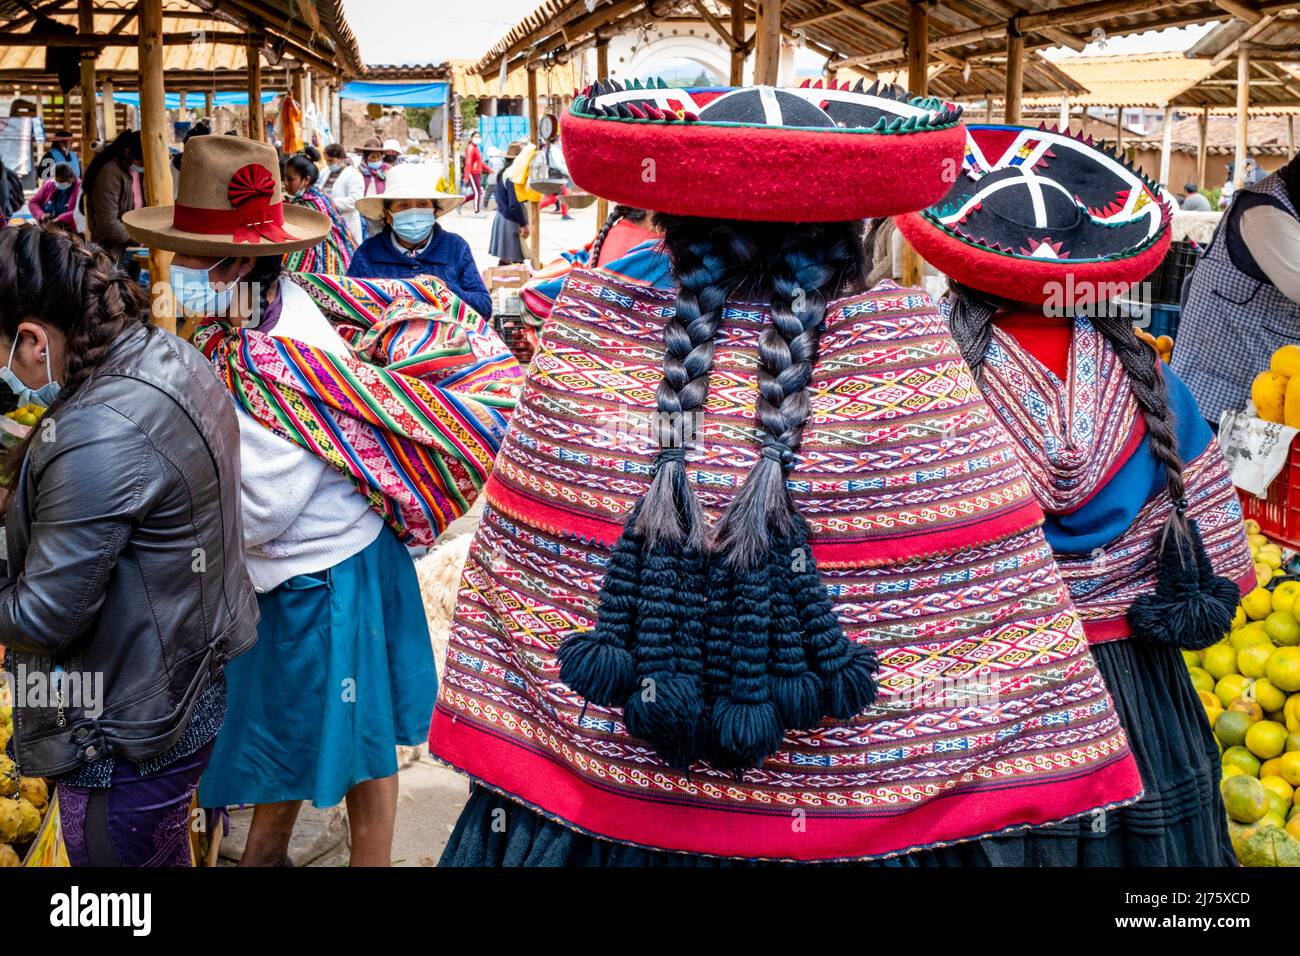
(26, 415)
(23, 800)
(1249, 685)
(1276, 392)
(1163, 344)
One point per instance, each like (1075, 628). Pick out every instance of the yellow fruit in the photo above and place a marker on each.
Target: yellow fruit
(1283, 668)
(1251, 526)
(1285, 595)
(8, 778)
(1271, 555)
(1292, 711)
(1231, 687)
(29, 819)
(1285, 361)
(1293, 827)
(1263, 574)
(1252, 661)
(8, 856)
(1276, 804)
(1289, 768)
(1266, 739)
(1238, 617)
(1282, 628)
(10, 820)
(1244, 798)
(1279, 786)
(1268, 392)
(1232, 771)
(34, 789)
(1246, 704)
(1258, 604)
(1201, 678)
(1292, 742)
(1271, 768)
(1231, 728)
(1248, 634)
(1220, 661)
(1242, 759)
(1269, 697)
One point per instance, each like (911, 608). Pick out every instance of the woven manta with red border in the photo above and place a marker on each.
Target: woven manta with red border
(991, 714)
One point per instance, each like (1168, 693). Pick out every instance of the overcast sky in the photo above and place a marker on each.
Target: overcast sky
(431, 31)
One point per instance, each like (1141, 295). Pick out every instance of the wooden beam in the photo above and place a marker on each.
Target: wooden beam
(1202, 147)
(1239, 10)
(256, 119)
(110, 111)
(97, 41)
(1166, 145)
(918, 83)
(602, 71)
(157, 161)
(1015, 75)
(89, 122)
(714, 22)
(532, 104)
(1229, 51)
(737, 77)
(1290, 135)
(1119, 129)
(1243, 113)
(767, 52)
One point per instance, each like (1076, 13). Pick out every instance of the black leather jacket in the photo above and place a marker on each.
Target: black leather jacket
(125, 558)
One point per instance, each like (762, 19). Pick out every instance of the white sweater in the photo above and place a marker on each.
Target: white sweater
(300, 515)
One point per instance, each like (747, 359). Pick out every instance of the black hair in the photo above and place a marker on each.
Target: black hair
(198, 129)
(336, 151)
(64, 171)
(56, 277)
(620, 212)
(264, 276)
(733, 631)
(304, 167)
(311, 152)
(116, 150)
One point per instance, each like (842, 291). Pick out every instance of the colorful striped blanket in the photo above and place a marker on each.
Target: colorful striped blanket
(992, 714)
(414, 416)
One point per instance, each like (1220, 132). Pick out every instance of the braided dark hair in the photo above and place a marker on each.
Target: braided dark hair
(618, 213)
(1191, 606)
(55, 277)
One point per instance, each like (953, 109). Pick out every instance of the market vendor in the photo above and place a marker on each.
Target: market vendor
(1243, 299)
(1141, 511)
(56, 199)
(412, 242)
(343, 669)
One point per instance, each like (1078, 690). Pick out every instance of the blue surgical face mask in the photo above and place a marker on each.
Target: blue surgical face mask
(137, 168)
(62, 186)
(376, 164)
(194, 292)
(335, 167)
(43, 396)
(413, 225)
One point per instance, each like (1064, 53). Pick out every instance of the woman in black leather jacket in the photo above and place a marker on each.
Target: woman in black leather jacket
(127, 591)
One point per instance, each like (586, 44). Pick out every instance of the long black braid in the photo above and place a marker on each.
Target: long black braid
(1191, 606)
(616, 215)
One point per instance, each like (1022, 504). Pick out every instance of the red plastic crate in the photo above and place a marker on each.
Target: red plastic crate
(1278, 514)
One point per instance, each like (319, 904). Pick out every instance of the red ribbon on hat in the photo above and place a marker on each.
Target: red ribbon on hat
(253, 218)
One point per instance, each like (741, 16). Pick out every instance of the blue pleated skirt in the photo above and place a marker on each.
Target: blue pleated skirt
(341, 674)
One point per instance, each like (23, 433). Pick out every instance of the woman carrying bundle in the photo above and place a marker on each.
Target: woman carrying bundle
(1141, 511)
(759, 576)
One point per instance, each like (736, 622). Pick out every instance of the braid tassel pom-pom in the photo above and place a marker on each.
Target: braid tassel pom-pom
(796, 690)
(1191, 606)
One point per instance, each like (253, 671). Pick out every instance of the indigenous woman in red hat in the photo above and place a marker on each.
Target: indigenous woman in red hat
(126, 593)
(1040, 235)
(759, 577)
(357, 437)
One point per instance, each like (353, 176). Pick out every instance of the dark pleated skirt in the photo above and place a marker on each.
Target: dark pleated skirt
(1179, 822)
(504, 242)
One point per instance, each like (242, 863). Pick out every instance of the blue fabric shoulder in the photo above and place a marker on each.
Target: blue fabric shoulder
(1110, 512)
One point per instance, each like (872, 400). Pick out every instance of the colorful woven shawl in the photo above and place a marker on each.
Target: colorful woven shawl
(1082, 444)
(333, 254)
(414, 416)
(991, 714)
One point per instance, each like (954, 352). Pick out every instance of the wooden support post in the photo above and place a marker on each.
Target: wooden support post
(1243, 111)
(1063, 123)
(1015, 75)
(767, 43)
(1166, 145)
(256, 121)
(918, 78)
(299, 89)
(737, 77)
(1119, 129)
(183, 108)
(110, 111)
(533, 209)
(1290, 135)
(89, 124)
(336, 115)
(602, 71)
(157, 162)
(988, 106)
(532, 103)
(1202, 148)
(209, 109)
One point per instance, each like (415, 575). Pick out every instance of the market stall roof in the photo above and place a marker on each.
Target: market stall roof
(1154, 80)
(870, 33)
(987, 79)
(205, 43)
(561, 78)
(1269, 136)
(432, 93)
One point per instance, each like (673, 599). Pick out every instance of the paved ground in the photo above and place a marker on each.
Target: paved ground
(557, 235)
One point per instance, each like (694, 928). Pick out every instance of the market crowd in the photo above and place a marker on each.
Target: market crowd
(848, 569)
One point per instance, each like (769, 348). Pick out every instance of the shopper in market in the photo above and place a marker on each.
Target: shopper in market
(1243, 299)
(56, 199)
(343, 670)
(114, 185)
(510, 222)
(413, 242)
(473, 170)
(1141, 511)
(744, 591)
(127, 578)
(342, 182)
(60, 151)
(333, 254)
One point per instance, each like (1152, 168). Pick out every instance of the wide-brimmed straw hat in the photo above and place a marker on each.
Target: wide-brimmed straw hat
(1038, 214)
(410, 181)
(824, 152)
(228, 204)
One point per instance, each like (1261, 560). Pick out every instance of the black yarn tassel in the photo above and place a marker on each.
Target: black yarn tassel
(746, 728)
(847, 669)
(796, 690)
(598, 664)
(666, 708)
(1191, 606)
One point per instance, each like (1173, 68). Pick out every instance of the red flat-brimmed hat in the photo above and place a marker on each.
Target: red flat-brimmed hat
(818, 153)
(228, 204)
(1038, 215)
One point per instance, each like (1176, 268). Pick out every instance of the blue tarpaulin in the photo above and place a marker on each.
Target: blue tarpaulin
(395, 94)
(195, 100)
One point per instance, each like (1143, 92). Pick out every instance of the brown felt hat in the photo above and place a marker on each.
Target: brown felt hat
(229, 204)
